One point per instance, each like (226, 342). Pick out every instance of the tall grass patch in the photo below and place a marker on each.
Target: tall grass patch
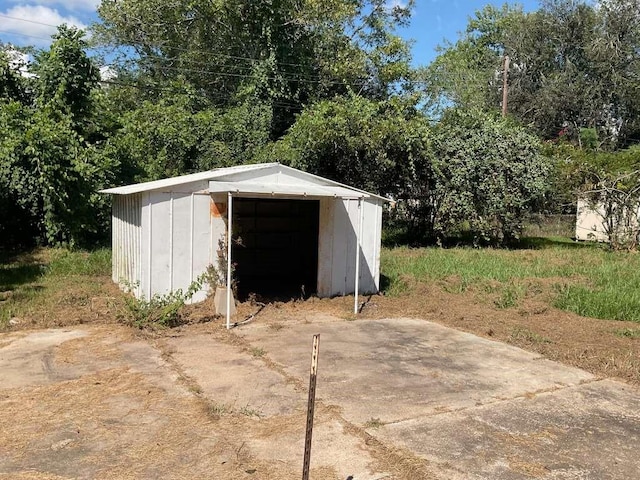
(586, 279)
(33, 285)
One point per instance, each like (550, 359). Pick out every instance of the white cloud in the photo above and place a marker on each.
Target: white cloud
(37, 21)
(68, 5)
(391, 4)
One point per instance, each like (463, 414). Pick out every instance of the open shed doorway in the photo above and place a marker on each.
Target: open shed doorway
(275, 248)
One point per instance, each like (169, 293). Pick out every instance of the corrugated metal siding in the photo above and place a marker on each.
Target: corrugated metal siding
(126, 239)
(337, 246)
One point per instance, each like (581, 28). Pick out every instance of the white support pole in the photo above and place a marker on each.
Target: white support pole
(358, 237)
(229, 231)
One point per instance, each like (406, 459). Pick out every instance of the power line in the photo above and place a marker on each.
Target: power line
(23, 35)
(233, 57)
(291, 76)
(189, 50)
(240, 75)
(147, 87)
(27, 20)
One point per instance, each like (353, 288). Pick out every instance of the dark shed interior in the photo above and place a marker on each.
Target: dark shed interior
(275, 248)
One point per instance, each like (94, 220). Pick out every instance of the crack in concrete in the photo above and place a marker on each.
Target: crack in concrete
(524, 396)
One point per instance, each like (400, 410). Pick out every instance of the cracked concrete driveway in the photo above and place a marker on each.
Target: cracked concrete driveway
(472, 407)
(397, 399)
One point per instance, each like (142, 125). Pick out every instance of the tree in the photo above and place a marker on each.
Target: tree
(174, 135)
(285, 54)
(49, 169)
(574, 68)
(487, 174)
(381, 147)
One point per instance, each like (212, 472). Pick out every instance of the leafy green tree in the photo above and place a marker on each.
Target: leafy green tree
(67, 77)
(174, 135)
(377, 146)
(49, 169)
(285, 54)
(487, 174)
(574, 68)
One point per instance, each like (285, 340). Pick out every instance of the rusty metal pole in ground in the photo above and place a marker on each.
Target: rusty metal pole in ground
(311, 406)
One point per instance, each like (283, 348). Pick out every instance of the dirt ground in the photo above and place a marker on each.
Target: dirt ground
(97, 399)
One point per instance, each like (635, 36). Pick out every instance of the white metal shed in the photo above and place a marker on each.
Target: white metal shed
(291, 231)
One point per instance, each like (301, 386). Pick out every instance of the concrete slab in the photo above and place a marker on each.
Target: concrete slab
(333, 448)
(477, 409)
(397, 369)
(583, 432)
(28, 360)
(233, 378)
(230, 376)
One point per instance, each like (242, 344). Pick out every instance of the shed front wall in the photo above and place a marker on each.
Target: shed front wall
(339, 220)
(177, 235)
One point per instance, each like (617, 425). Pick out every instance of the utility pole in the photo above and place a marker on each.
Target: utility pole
(505, 85)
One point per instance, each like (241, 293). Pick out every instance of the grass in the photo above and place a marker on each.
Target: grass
(250, 412)
(31, 282)
(257, 352)
(373, 423)
(586, 279)
(628, 332)
(217, 410)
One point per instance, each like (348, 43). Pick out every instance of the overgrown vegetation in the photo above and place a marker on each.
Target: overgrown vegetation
(586, 279)
(33, 285)
(160, 311)
(328, 87)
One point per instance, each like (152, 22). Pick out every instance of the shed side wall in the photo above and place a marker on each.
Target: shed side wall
(126, 237)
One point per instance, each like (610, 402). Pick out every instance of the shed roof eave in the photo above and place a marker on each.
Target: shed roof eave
(275, 190)
(183, 179)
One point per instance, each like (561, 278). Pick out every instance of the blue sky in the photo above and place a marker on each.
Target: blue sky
(433, 20)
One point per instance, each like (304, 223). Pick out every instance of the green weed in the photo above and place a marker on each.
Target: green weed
(250, 412)
(218, 410)
(160, 311)
(257, 352)
(373, 423)
(526, 335)
(627, 332)
(510, 296)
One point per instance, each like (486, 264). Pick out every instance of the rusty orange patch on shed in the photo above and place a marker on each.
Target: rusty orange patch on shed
(218, 209)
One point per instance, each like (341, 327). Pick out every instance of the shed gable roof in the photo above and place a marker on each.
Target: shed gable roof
(272, 177)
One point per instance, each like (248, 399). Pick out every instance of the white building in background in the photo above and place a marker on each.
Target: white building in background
(107, 73)
(293, 233)
(590, 222)
(591, 225)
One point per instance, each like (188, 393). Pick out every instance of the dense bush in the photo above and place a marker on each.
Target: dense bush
(488, 172)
